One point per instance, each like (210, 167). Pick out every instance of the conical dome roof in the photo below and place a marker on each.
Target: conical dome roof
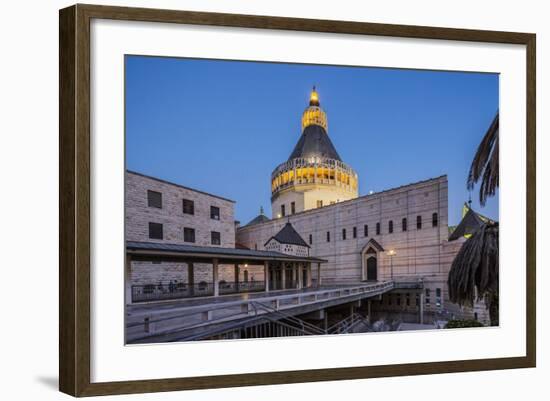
(314, 142)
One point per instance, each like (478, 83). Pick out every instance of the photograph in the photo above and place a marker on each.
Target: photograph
(267, 199)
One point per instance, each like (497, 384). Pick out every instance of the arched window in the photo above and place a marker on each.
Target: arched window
(404, 224)
(390, 226)
(434, 220)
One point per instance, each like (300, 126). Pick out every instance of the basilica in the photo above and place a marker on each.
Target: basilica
(328, 260)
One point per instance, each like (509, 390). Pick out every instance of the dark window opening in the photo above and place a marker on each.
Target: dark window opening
(418, 222)
(188, 206)
(390, 226)
(310, 239)
(434, 220)
(328, 236)
(154, 199)
(215, 238)
(214, 212)
(343, 233)
(292, 207)
(366, 230)
(404, 224)
(283, 211)
(155, 230)
(377, 228)
(188, 234)
(354, 232)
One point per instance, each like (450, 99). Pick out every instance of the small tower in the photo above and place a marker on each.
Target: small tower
(314, 175)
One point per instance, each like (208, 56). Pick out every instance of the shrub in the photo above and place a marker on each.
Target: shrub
(459, 324)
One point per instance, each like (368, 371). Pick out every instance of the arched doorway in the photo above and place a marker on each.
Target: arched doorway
(372, 267)
(369, 260)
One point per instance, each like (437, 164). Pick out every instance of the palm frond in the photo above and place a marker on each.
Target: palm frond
(485, 163)
(474, 272)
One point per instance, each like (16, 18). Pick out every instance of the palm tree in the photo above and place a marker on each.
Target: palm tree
(485, 164)
(474, 271)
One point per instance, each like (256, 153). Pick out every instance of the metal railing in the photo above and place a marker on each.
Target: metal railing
(188, 317)
(167, 291)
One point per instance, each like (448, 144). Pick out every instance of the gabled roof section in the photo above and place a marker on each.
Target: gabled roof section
(372, 244)
(470, 223)
(261, 218)
(314, 142)
(288, 235)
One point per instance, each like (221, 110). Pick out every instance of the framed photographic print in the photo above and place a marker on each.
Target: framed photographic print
(250, 200)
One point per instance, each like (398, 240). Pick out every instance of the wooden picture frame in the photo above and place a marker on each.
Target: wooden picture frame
(74, 205)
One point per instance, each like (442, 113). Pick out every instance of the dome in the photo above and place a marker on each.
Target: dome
(314, 143)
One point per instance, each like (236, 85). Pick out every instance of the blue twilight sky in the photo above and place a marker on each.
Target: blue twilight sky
(223, 126)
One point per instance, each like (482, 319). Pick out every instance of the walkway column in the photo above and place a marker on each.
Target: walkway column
(128, 280)
(294, 274)
(421, 307)
(319, 274)
(300, 276)
(283, 275)
(236, 277)
(266, 275)
(191, 278)
(308, 281)
(215, 277)
(368, 310)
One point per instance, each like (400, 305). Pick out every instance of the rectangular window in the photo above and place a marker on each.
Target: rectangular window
(310, 239)
(214, 212)
(154, 199)
(319, 203)
(283, 211)
(434, 220)
(343, 233)
(390, 226)
(418, 222)
(377, 228)
(215, 238)
(427, 296)
(438, 297)
(155, 230)
(366, 230)
(328, 236)
(404, 224)
(354, 232)
(292, 207)
(408, 299)
(188, 234)
(188, 206)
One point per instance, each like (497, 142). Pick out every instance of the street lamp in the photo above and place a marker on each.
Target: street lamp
(391, 254)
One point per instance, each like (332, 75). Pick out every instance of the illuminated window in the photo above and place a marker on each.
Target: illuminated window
(434, 220)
